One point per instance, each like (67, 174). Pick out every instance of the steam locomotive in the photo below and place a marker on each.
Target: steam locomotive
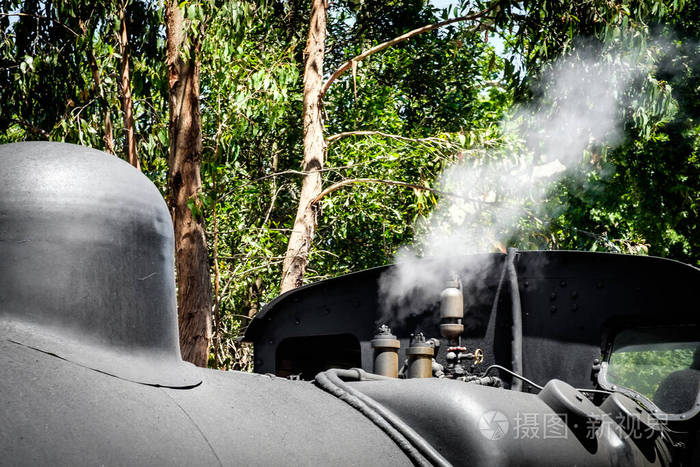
(543, 358)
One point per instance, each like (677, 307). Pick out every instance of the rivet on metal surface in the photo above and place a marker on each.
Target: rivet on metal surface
(553, 296)
(574, 294)
(553, 308)
(562, 283)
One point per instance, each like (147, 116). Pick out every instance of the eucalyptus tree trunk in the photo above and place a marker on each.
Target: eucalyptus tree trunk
(127, 100)
(184, 183)
(302, 235)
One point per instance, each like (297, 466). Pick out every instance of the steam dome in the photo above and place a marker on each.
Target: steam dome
(87, 269)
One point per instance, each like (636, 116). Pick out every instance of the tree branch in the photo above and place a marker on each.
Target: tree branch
(28, 15)
(352, 181)
(34, 129)
(297, 172)
(379, 47)
(345, 134)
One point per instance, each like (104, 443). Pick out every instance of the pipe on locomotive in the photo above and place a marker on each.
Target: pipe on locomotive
(421, 452)
(517, 326)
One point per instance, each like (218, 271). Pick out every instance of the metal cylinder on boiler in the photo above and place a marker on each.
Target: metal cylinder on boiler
(386, 352)
(452, 311)
(420, 357)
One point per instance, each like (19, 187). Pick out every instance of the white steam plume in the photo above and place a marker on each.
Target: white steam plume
(490, 194)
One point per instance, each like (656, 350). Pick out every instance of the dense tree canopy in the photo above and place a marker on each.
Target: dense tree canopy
(391, 124)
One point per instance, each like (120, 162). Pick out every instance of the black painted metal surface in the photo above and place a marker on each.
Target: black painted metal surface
(571, 301)
(55, 412)
(476, 425)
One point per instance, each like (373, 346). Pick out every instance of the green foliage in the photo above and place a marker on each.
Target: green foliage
(643, 371)
(443, 90)
(47, 86)
(643, 196)
(251, 104)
